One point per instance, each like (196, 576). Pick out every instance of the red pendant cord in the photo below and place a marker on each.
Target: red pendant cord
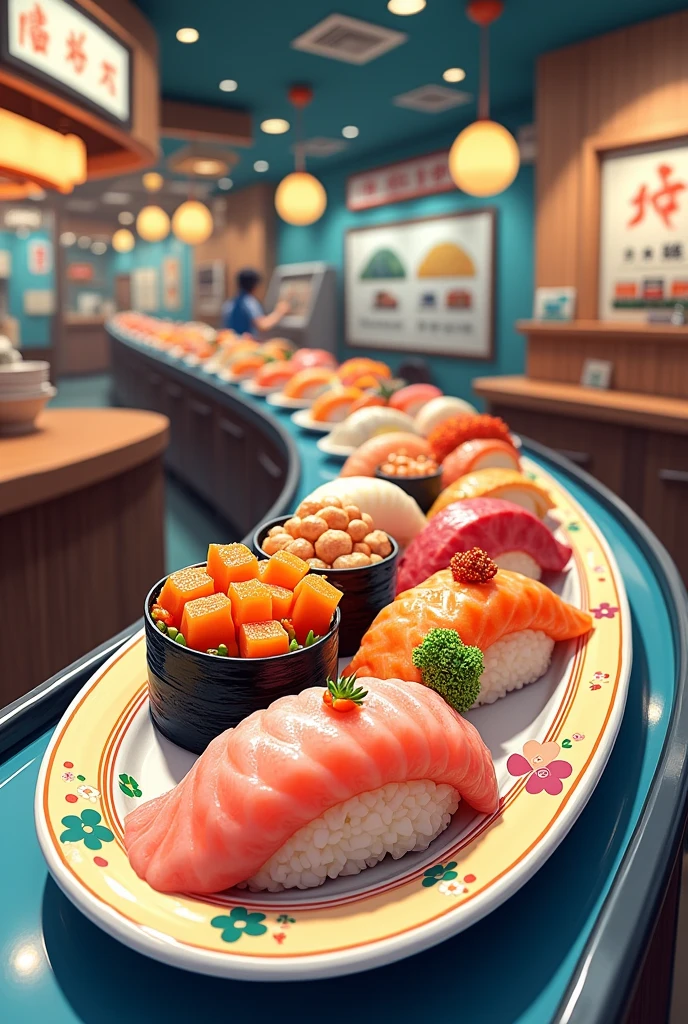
(484, 95)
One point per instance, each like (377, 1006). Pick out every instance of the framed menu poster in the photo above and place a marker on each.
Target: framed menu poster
(643, 231)
(423, 285)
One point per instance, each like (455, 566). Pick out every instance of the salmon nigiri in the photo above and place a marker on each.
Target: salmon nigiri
(309, 383)
(375, 451)
(496, 483)
(515, 621)
(335, 405)
(246, 364)
(483, 453)
(271, 802)
(275, 374)
(352, 369)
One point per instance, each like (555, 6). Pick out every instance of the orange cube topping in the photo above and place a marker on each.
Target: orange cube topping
(262, 640)
(285, 569)
(231, 563)
(182, 586)
(315, 601)
(207, 623)
(251, 602)
(282, 600)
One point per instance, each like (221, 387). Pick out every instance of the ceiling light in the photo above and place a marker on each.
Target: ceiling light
(274, 126)
(152, 181)
(300, 199)
(21, 217)
(350, 131)
(116, 198)
(187, 35)
(125, 217)
(260, 166)
(229, 85)
(84, 241)
(209, 167)
(225, 183)
(123, 240)
(405, 6)
(153, 224)
(32, 152)
(192, 223)
(98, 248)
(454, 75)
(67, 238)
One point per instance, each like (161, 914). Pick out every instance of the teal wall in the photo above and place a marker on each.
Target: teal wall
(34, 331)
(514, 254)
(151, 254)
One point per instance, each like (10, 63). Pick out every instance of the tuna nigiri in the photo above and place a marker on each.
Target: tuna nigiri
(309, 383)
(271, 801)
(412, 398)
(275, 374)
(335, 405)
(514, 621)
(374, 452)
(304, 358)
(479, 454)
(515, 538)
(496, 483)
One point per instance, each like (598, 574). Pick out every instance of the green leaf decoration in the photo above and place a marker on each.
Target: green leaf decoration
(573, 527)
(566, 744)
(129, 786)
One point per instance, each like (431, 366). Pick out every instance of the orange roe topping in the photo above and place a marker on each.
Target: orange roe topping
(474, 566)
(453, 432)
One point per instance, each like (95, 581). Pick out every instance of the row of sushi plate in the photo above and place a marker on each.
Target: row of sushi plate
(363, 818)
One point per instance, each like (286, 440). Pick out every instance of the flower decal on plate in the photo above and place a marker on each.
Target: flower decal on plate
(540, 762)
(129, 785)
(88, 793)
(285, 920)
(578, 736)
(68, 776)
(573, 527)
(239, 922)
(452, 888)
(601, 676)
(86, 828)
(439, 873)
(604, 610)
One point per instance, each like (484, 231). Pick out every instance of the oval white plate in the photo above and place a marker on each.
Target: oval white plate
(105, 757)
(303, 419)
(281, 401)
(337, 451)
(251, 388)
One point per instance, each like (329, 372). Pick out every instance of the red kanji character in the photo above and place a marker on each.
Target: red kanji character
(32, 25)
(76, 52)
(421, 174)
(440, 171)
(396, 180)
(663, 200)
(108, 79)
(369, 186)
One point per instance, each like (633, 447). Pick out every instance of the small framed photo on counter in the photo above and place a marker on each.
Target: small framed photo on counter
(554, 304)
(597, 373)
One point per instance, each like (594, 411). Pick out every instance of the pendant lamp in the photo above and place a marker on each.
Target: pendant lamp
(300, 199)
(153, 224)
(30, 152)
(484, 158)
(192, 222)
(123, 240)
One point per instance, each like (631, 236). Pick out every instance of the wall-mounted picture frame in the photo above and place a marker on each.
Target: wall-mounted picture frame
(424, 285)
(597, 373)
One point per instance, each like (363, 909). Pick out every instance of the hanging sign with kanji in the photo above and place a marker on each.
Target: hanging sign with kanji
(643, 232)
(54, 39)
(422, 176)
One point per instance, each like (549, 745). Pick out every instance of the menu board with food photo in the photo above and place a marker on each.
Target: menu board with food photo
(643, 232)
(423, 285)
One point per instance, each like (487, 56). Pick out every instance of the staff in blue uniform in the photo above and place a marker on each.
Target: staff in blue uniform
(244, 314)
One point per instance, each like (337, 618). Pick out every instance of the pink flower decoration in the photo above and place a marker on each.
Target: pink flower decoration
(601, 675)
(539, 762)
(578, 736)
(604, 611)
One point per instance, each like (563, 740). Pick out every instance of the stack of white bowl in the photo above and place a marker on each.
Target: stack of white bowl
(24, 390)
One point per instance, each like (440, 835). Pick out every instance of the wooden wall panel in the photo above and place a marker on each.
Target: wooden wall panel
(623, 88)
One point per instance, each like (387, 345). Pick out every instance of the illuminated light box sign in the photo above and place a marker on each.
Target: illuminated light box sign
(643, 232)
(422, 176)
(59, 44)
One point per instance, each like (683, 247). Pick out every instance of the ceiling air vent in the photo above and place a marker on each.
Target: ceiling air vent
(432, 99)
(341, 38)
(322, 147)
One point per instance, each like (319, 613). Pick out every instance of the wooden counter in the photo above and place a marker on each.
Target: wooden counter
(81, 535)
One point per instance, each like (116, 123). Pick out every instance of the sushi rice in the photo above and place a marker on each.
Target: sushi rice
(519, 561)
(356, 834)
(512, 662)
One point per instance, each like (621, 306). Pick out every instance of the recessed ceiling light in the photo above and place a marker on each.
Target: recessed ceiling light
(274, 126)
(225, 183)
(187, 35)
(152, 181)
(98, 248)
(84, 242)
(454, 75)
(125, 217)
(229, 85)
(67, 238)
(209, 167)
(350, 131)
(405, 6)
(260, 166)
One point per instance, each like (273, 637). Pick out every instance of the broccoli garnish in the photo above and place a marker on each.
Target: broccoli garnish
(450, 667)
